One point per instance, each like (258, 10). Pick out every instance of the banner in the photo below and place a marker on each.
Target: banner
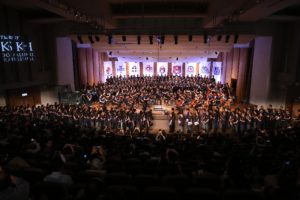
(204, 68)
(134, 69)
(190, 69)
(148, 68)
(162, 69)
(108, 72)
(217, 67)
(177, 69)
(120, 68)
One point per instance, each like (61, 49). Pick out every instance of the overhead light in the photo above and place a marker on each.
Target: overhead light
(97, 38)
(219, 37)
(123, 38)
(91, 39)
(236, 37)
(151, 39)
(176, 39)
(227, 38)
(190, 38)
(205, 37)
(79, 39)
(109, 39)
(139, 39)
(25, 94)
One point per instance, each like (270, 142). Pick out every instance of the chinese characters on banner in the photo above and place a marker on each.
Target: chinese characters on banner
(190, 69)
(108, 72)
(162, 68)
(204, 68)
(134, 69)
(148, 68)
(177, 69)
(217, 67)
(120, 69)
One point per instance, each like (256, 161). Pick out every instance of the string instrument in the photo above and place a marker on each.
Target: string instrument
(179, 103)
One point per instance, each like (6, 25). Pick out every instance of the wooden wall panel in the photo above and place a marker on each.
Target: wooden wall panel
(96, 66)
(90, 66)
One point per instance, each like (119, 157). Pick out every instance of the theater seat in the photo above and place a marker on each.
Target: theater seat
(117, 192)
(164, 193)
(178, 182)
(196, 193)
(117, 179)
(240, 194)
(50, 191)
(143, 181)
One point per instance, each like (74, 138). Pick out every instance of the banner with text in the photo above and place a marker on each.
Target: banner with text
(15, 48)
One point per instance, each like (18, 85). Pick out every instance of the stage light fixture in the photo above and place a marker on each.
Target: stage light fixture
(139, 39)
(91, 39)
(123, 38)
(219, 37)
(227, 38)
(236, 37)
(97, 38)
(177, 58)
(110, 53)
(80, 39)
(190, 38)
(176, 39)
(109, 39)
(146, 58)
(205, 37)
(151, 39)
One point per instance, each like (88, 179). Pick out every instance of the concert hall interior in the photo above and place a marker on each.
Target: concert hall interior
(144, 99)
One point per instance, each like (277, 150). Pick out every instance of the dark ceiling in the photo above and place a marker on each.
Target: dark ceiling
(156, 16)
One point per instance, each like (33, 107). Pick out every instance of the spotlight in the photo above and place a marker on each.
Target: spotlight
(205, 38)
(151, 39)
(162, 39)
(109, 39)
(227, 38)
(123, 38)
(139, 39)
(146, 58)
(80, 39)
(110, 53)
(219, 37)
(190, 38)
(176, 39)
(97, 38)
(177, 58)
(236, 37)
(216, 52)
(91, 39)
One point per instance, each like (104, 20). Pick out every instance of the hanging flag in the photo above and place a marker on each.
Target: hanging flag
(148, 68)
(134, 69)
(120, 68)
(162, 68)
(190, 69)
(108, 72)
(177, 69)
